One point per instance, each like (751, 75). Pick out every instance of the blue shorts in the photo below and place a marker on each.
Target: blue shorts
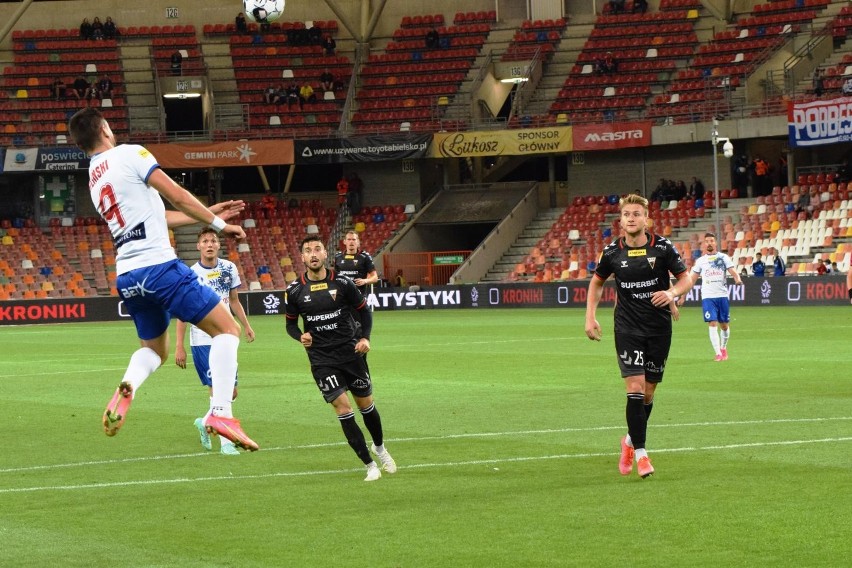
(201, 359)
(716, 309)
(152, 295)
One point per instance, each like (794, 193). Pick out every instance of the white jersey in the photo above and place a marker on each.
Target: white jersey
(223, 278)
(118, 185)
(713, 269)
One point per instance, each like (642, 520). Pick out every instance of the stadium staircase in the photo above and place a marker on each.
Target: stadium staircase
(520, 249)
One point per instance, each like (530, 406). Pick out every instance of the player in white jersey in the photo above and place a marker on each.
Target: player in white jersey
(222, 276)
(127, 186)
(713, 269)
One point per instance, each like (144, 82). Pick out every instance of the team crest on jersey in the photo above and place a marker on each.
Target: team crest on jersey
(333, 294)
(652, 261)
(637, 252)
(623, 264)
(317, 287)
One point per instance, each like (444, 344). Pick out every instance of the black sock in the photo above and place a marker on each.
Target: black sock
(373, 422)
(355, 437)
(648, 408)
(637, 422)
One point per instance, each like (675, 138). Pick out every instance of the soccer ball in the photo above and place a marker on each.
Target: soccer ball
(263, 11)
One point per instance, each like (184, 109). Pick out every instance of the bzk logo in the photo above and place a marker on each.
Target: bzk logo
(271, 302)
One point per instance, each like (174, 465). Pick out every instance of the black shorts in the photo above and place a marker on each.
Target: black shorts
(353, 376)
(639, 355)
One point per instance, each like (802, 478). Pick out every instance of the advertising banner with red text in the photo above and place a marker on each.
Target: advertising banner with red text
(820, 122)
(223, 154)
(612, 136)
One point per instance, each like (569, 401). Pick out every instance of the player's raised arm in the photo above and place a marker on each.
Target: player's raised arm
(189, 205)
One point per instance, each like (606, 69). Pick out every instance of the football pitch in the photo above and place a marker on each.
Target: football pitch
(505, 425)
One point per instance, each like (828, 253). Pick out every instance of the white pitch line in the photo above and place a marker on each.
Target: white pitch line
(320, 445)
(495, 461)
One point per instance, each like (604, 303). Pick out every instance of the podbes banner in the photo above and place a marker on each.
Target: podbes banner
(768, 292)
(820, 122)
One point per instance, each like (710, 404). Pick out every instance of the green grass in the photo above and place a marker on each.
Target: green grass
(505, 424)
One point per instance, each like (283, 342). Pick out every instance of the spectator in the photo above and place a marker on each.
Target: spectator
(834, 268)
(640, 6)
(342, 190)
(240, 23)
(97, 29)
(306, 95)
(91, 91)
(680, 190)
(696, 189)
(846, 89)
(293, 95)
(823, 268)
(327, 80)
(104, 88)
(176, 62)
(280, 94)
(608, 65)
(86, 29)
(818, 82)
(270, 95)
(59, 89)
(433, 40)
(616, 6)
(762, 181)
(758, 267)
(399, 280)
(780, 265)
(740, 175)
(269, 202)
(803, 204)
(743, 272)
(78, 88)
(110, 30)
(782, 170)
(355, 197)
(315, 36)
(329, 45)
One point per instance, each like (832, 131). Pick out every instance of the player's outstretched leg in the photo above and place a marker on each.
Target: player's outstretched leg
(384, 456)
(644, 467)
(625, 464)
(230, 428)
(203, 435)
(116, 410)
(373, 472)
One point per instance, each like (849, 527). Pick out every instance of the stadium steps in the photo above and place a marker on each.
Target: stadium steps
(518, 250)
(185, 240)
(220, 65)
(141, 91)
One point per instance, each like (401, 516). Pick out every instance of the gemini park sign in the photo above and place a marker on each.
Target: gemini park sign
(768, 292)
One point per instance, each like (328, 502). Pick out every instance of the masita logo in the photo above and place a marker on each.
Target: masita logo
(614, 136)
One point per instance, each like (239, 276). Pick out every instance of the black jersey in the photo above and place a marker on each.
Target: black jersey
(326, 307)
(357, 265)
(639, 272)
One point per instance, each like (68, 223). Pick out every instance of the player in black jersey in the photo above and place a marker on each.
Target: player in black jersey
(328, 303)
(641, 264)
(355, 263)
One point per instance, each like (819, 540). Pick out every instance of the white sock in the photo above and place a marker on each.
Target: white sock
(380, 449)
(726, 333)
(714, 339)
(143, 362)
(628, 441)
(223, 371)
(641, 453)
